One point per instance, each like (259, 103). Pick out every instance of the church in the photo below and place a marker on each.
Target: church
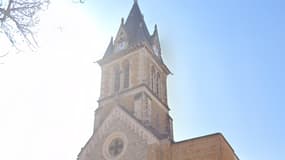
(132, 121)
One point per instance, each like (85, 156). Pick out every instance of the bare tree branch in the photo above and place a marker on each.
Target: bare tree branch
(78, 1)
(18, 19)
(3, 55)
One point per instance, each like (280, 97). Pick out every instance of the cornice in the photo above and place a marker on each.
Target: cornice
(139, 88)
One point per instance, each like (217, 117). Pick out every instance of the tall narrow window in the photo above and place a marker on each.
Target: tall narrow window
(117, 79)
(158, 84)
(148, 111)
(138, 109)
(152, 78)
(126, 74)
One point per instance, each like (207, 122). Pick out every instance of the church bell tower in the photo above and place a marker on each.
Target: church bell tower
(132, 121)
(133, 113)
(134, 76)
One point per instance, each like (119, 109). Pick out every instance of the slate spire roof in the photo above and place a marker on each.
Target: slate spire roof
(135, 25)
(134, 30)
(110, 47)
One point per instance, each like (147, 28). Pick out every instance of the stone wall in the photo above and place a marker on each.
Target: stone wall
(212, 147)
(136, 146)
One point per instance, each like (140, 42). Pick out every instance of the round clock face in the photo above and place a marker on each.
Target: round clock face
(155, 49)
(122, 45)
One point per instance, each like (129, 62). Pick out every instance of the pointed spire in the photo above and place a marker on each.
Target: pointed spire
(109, 48)
(155, 29)
(155, 41)
(155, 34)
(135, 26)
(122, 21)
(134, 29)
(135, 13)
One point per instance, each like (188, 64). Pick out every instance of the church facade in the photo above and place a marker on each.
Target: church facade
(132, 120)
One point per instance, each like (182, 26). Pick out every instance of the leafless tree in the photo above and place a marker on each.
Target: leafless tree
(18, 19)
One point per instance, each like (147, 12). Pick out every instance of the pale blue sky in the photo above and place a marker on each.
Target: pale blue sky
(228, 58)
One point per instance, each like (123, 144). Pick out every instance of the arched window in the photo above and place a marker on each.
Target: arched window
(158, 83)
(116, 78)
(126, 74)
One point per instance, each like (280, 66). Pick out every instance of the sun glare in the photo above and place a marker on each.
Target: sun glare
(37, 86)
(66, 28)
